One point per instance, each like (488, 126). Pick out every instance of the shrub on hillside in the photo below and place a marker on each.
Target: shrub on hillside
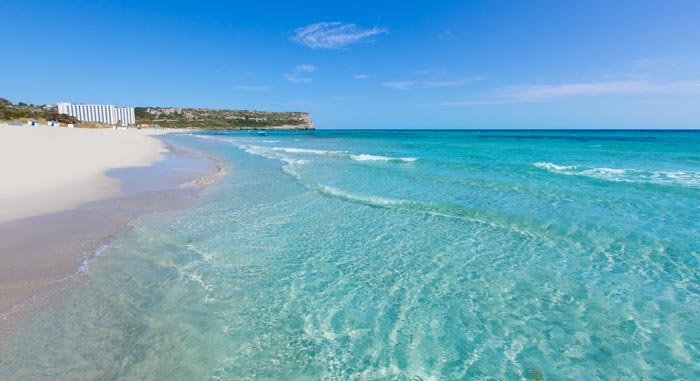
(61, 118)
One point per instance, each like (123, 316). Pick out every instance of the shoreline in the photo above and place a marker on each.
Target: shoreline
(49, 169)
(41, 254)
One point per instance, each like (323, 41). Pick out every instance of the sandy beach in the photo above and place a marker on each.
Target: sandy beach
(66, 192)
(47, 169)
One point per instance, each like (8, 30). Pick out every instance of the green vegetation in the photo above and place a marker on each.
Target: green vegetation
(23, 111)
(221, 119)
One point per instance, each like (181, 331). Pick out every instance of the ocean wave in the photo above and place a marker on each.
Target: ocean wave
(309, 151)
(676, 178)
(554, 167)
(499, 220)
(348, 196)
(274, 152)
(269, 154)
(205, 137)
(437, 209)
(361, 157)
(368, 157)
(368, 200)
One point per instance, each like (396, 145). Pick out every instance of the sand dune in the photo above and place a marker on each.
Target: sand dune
(47, 169)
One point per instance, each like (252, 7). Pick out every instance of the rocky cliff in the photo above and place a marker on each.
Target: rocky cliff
(222, 119)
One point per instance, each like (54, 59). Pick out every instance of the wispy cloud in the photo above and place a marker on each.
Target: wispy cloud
(296, 79)
(297, 76)
(544, 92)
(304, 68)
(360, 76)
(408, 85)
(650, 67)
(251, 88)
(333, 35)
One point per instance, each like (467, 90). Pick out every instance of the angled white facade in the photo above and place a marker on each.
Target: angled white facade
(99, 113)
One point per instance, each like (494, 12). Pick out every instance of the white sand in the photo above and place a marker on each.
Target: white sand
(48, 169)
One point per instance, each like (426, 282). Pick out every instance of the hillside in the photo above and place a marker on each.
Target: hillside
(23, 111)
(222, 119)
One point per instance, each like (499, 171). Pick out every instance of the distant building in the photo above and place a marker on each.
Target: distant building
(99, 113)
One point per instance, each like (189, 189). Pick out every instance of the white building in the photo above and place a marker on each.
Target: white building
(99, 113)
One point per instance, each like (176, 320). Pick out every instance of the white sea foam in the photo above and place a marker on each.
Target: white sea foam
(87, 261)
(368, 157)
(274, 152)
(260, 151)
(291, 161)
(551, 166)
(308, 151)
(682, 178)
(270, 154)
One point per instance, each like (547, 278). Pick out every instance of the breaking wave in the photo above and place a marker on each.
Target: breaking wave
(344, 154)
(278, 153)
(677, 178)
(367, 157)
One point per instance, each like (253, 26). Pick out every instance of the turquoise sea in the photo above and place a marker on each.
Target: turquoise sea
(398, 255)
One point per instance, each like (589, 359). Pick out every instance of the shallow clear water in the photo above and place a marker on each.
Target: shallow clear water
(411, 255)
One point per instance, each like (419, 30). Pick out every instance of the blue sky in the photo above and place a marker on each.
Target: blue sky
(368, 64)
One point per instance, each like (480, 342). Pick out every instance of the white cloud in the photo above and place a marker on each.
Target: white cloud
(360, 76)
(333, 35)
(251, 88)
(543, 92)
(296, 79)
(408, 85)
(304, 68)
